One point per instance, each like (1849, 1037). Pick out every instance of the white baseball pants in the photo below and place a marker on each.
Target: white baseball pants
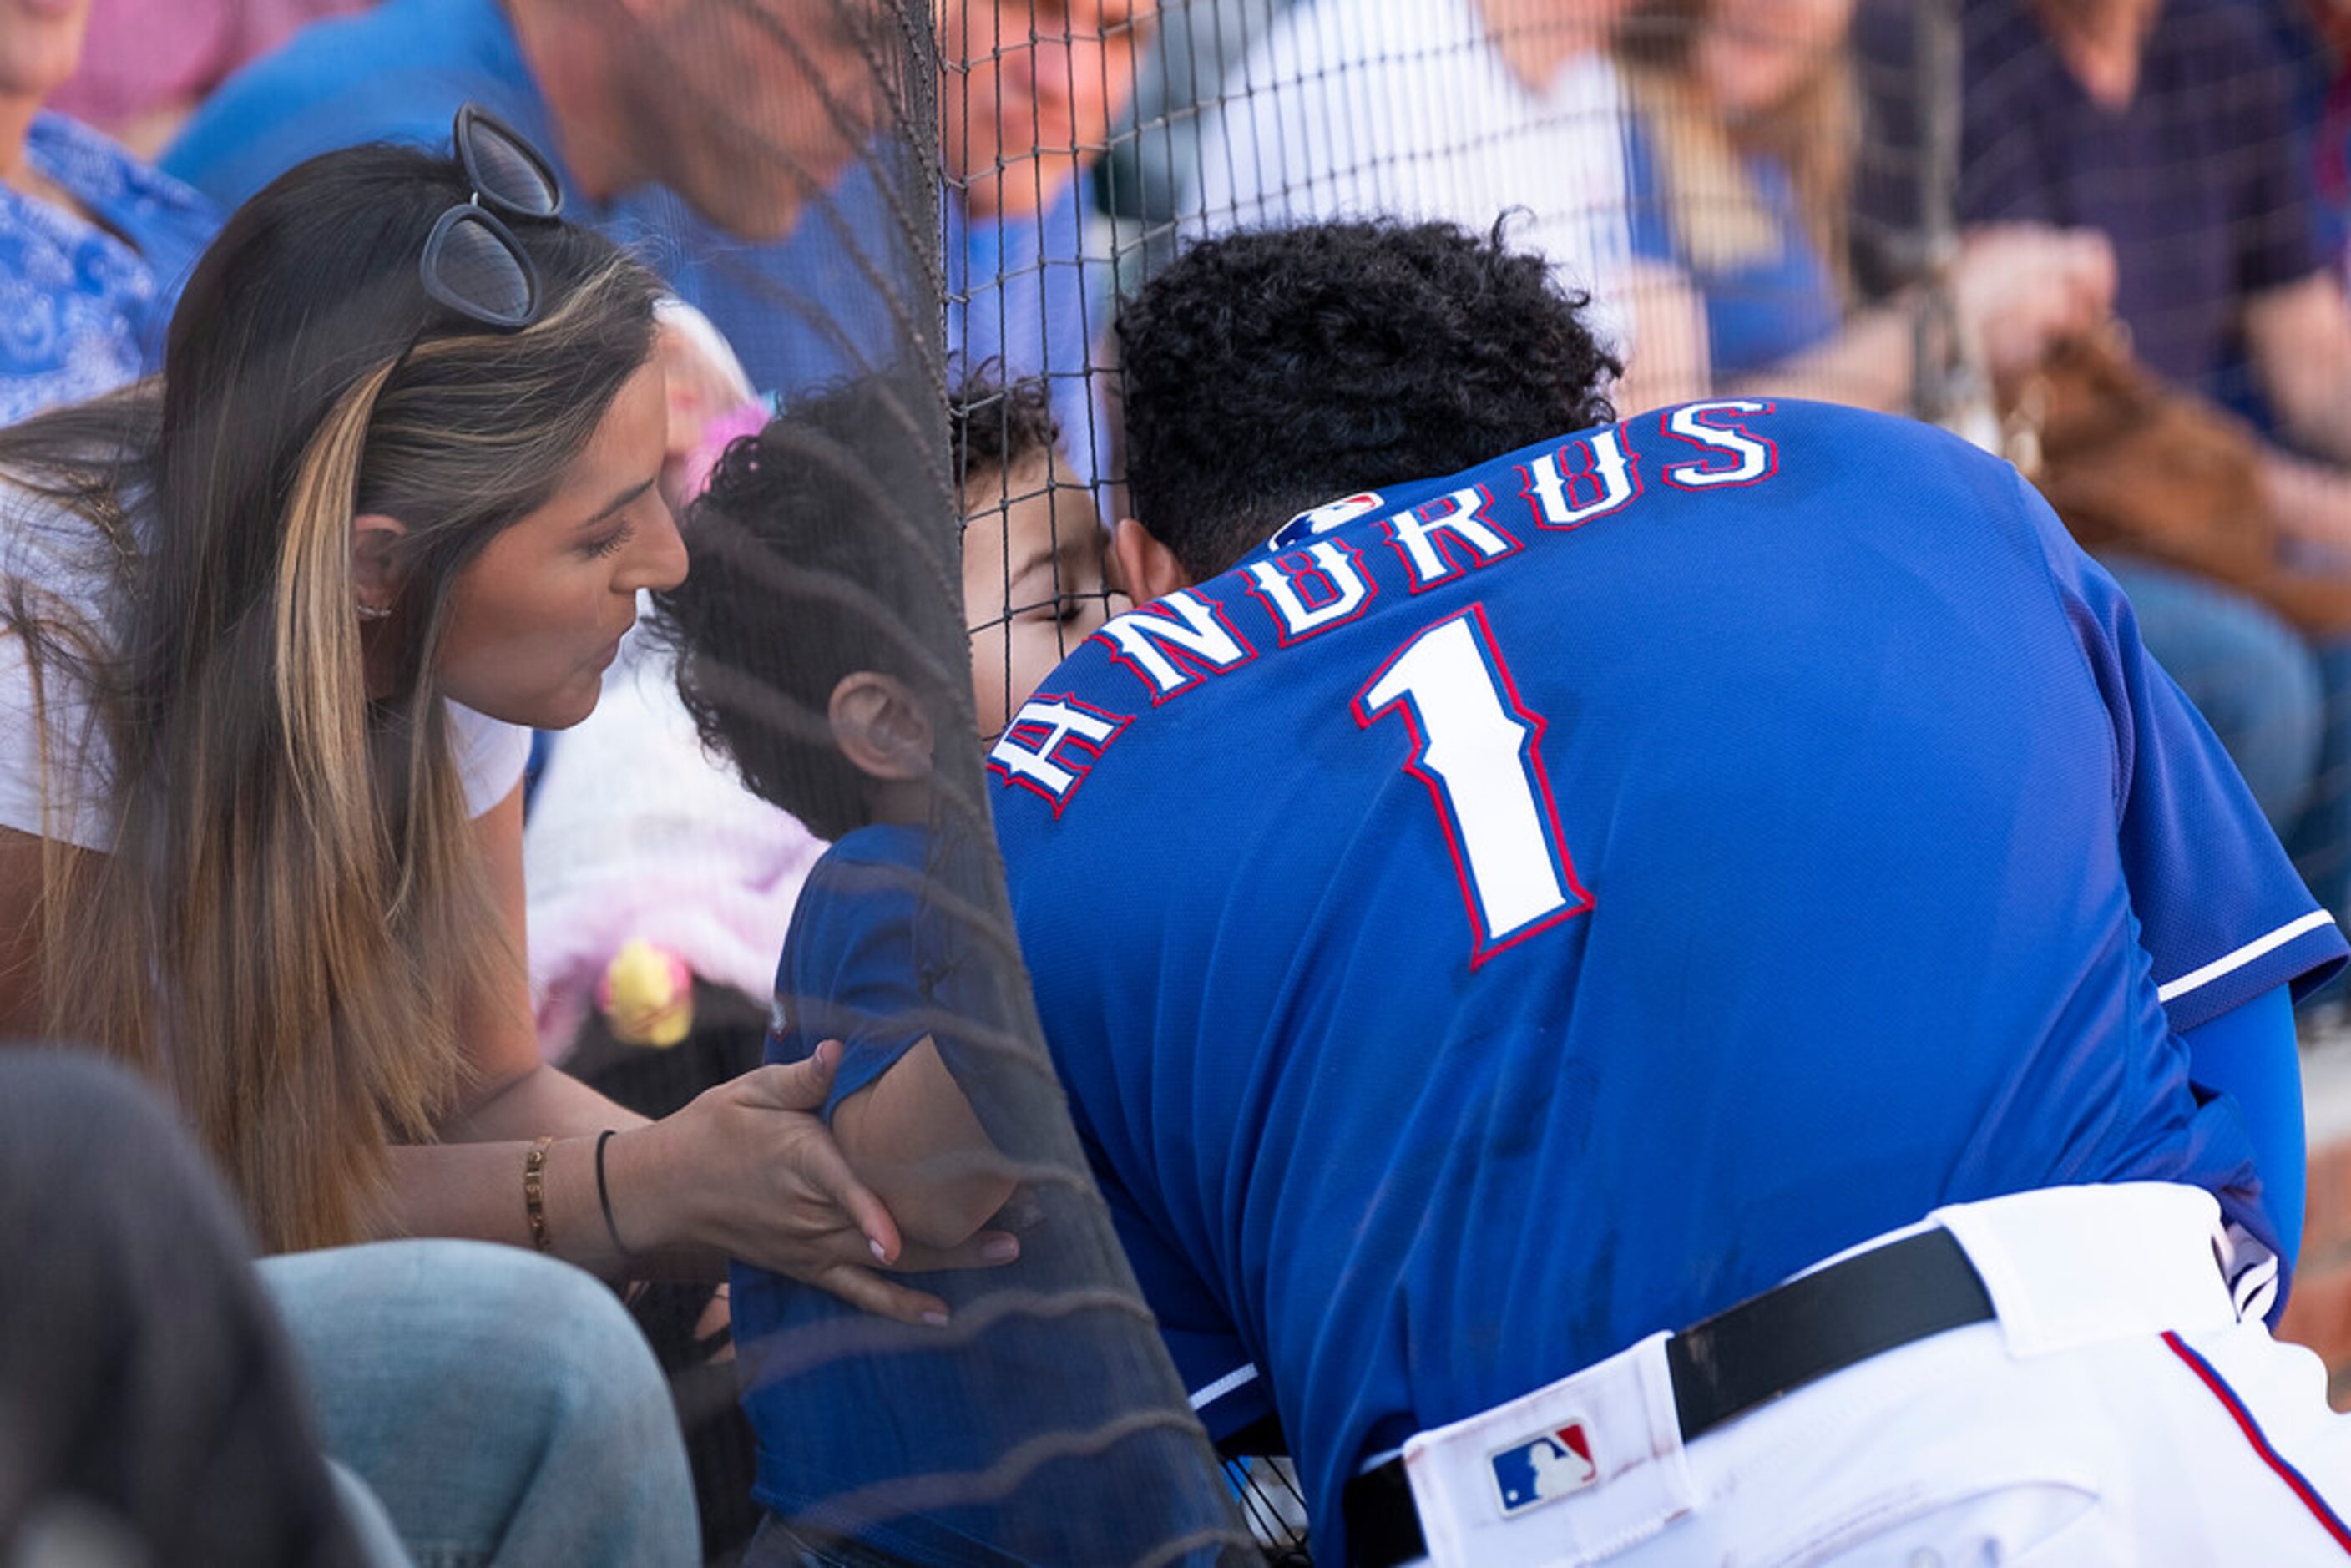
(2119, 1411)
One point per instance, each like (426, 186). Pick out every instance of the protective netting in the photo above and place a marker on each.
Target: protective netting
(891, 493)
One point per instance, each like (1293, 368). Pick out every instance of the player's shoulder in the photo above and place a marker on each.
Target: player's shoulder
(1808, 418)
(1837, 442)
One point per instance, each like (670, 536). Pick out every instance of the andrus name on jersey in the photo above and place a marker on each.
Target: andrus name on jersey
(1305, 585)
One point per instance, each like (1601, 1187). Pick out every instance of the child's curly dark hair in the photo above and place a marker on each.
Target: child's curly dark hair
(994, 427)
(1270, 369)
(818, 550)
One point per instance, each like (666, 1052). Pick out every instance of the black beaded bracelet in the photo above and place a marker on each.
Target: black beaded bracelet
(604, 1196)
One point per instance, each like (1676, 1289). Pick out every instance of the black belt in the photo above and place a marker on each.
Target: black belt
(1737, 1359)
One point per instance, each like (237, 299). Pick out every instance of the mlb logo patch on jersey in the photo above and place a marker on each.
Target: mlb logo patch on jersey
(1543, 1468)
(1321, 520)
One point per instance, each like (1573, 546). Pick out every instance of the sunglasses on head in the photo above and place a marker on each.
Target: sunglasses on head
(472, 263)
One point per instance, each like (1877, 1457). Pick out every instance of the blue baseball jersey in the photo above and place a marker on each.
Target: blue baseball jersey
(1514, 913)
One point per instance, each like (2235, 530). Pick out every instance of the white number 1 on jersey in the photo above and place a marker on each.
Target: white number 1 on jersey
(1476, 748)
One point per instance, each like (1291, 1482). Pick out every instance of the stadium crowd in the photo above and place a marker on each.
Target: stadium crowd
(480, 588)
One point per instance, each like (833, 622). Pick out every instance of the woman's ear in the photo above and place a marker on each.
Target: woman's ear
(1142, 567)
(375, 562)
(880, 727)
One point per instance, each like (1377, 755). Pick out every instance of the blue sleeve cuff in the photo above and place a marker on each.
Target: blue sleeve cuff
(2250, 1054)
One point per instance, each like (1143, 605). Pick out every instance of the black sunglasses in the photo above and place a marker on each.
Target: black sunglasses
(472, 263)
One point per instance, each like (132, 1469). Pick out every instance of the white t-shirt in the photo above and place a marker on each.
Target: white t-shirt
(637, 831)
(1404, 108)
(52, 550)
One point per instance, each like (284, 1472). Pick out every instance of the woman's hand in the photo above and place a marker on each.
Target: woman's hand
(2021, 289)
(749, 1169)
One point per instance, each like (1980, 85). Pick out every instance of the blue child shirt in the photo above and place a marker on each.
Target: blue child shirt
(900, 1438)
(84, 307)
(1565, 898)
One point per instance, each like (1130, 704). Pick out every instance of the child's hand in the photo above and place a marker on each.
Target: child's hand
(750, 1169)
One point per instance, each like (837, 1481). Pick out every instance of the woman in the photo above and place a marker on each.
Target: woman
(1741, 151)
(279, 622)
(93, 242)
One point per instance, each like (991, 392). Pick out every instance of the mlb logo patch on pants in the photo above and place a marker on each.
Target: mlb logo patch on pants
(1544, 1468)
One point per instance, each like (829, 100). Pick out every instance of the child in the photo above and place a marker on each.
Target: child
(1032, 548)
(810, 641)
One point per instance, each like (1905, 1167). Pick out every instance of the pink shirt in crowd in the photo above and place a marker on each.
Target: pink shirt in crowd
(145, 55)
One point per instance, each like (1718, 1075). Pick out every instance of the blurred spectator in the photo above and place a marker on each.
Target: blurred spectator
(704, 131)
(93, 244)
(162, 1399)
(149, 62)
(1151, 173)
(1318, 122)
(146, 1390)
(2168, 126)
(1030, 92)
(1740, 147)
(2315, 35)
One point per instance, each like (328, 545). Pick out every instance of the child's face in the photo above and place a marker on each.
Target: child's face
(1032, 583)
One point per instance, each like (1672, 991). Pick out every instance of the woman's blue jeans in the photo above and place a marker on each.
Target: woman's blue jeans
(502, 1407)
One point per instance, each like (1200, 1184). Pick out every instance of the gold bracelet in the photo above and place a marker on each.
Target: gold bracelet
(534, 1179)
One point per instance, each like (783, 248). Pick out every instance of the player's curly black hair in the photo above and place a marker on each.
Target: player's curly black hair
(1271, 370)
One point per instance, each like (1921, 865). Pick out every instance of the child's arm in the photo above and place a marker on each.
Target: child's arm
(912, 1137)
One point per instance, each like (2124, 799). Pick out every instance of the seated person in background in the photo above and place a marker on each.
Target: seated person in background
(1027, 99)
(1523, 111)
(2167, 126)
(1739, 149)
(216, 1410)
(707, 130)
(810, 652)
(1475, 839)
(152, 62)
(94, 244)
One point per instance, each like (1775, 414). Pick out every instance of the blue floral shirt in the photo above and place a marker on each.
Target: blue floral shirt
(83, 306)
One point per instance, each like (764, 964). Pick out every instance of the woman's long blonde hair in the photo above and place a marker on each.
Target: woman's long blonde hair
(1712, 206)
(292, 909)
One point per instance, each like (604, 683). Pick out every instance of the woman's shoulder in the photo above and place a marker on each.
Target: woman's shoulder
(490, 753)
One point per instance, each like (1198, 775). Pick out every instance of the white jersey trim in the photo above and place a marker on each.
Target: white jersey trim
(1238, 1377)
(2230, 962)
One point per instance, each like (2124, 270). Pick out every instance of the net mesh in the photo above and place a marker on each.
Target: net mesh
(897, 235)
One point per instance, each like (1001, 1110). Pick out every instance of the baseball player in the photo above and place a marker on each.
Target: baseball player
(1494, 924)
